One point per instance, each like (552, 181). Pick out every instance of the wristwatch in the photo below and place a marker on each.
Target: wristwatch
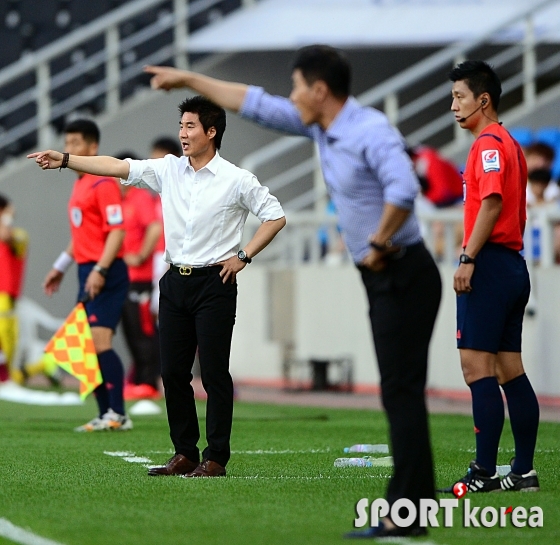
(242, 255)
(101, 270)
(464, 258)
(381, 247)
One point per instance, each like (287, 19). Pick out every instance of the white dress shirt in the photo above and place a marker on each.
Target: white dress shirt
(204, 212)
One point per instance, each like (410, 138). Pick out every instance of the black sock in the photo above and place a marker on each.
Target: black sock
(102, 398)
(488, 415)
(113, 378)
(523, 410)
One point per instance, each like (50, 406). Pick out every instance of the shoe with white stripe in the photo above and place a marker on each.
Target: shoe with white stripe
(528, 482)
(116, 422)
(96, 424)
(477, 479)
(110, 421)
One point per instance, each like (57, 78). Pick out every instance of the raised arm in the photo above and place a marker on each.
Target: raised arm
(226, 94)
(100, 165)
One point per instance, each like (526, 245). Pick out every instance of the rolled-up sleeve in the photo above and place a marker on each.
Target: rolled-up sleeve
(258, 200)
(144, 173)
(272, 112)
(387, 157)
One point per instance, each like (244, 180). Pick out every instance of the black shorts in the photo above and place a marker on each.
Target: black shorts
(490, 317)
(106, 309)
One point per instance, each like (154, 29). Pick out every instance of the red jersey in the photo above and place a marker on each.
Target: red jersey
(445, 185)
(496, 166)
(160, 246)
(12, 263)
(139, 212)
(95, 210)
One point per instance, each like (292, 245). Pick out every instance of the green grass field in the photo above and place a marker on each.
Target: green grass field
(281, 487)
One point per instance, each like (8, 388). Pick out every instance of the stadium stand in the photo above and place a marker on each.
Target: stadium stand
(27, 26)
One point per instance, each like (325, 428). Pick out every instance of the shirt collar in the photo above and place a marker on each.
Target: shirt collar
(339, 126)
(212, 165)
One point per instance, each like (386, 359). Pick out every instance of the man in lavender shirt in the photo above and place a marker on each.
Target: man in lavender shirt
(371, 182)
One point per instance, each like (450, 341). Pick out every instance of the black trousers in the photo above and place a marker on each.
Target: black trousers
(404, 299)
(142, 342)
(197, 311)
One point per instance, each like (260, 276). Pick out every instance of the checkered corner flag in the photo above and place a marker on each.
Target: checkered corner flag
(71, 348)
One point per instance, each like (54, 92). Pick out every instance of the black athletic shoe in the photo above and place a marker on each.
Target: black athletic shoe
(477, 479)
(529, 482)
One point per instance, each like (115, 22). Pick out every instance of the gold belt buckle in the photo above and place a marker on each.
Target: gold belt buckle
(184, 270)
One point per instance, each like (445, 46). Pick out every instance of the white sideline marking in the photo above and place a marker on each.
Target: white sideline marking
(137, 459)
(284, 451)
(147, 463)
(302, 478)
(19, 535)
(129, 457)
(262, 451)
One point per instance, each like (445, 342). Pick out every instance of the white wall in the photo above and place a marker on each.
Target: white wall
(330, 320)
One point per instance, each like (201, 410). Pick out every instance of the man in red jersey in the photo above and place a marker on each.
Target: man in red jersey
(492, 284)
(97, 234)
(143, 230)
(13, 252)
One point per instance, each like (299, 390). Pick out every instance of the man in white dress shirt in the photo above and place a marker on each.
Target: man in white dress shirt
(205, 202)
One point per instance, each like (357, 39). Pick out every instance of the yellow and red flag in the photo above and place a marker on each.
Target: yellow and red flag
(71, 347)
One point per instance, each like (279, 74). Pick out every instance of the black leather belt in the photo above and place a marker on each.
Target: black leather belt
(186, 270)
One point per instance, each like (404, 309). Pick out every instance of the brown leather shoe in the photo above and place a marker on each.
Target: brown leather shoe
(207, 468)
(178, 465)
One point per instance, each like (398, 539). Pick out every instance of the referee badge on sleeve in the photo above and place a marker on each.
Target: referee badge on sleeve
(114, 214)
(491, 160)
(76, 216)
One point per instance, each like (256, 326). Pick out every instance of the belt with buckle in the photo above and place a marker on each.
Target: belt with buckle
(189, 270)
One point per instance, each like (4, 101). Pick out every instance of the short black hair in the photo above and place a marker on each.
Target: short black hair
(480, 78)
(4, 201)
(541, 149)
(168, 144)
(209, 114)
(86, 127)
(126, 154)
(325, 63)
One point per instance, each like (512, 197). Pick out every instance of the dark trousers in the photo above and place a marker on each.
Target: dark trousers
(140, 334)
(197, 311)
(404, 299)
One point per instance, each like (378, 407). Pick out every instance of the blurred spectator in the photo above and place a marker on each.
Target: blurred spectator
(441, 186)
(143, 230)
(13, 253)
(542, 192)
(333, 250)
(540, 158)
(439, 178)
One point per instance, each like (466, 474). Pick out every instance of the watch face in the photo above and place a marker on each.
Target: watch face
(241, 255)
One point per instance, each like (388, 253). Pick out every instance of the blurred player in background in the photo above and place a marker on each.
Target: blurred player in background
(143, 230)
(441, 187)
(97, 234)
(13, 253)
(161, 147)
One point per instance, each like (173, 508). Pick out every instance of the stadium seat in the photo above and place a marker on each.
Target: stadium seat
(548, 135)
(523, 135)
